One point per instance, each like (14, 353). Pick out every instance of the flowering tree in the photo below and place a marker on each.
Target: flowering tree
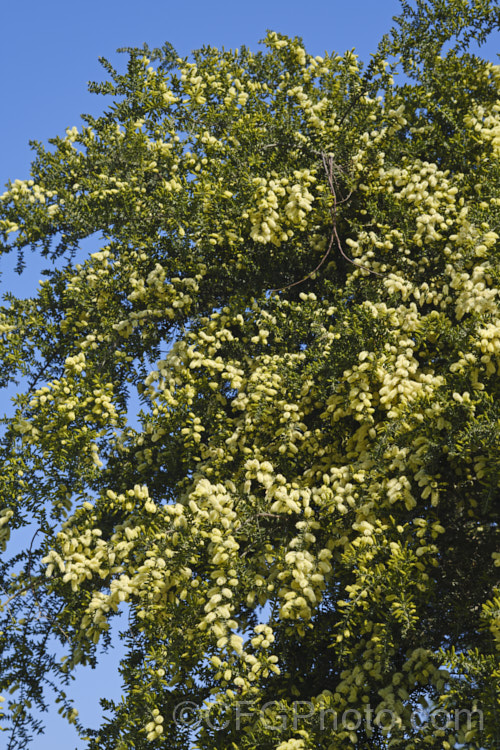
(262, 418)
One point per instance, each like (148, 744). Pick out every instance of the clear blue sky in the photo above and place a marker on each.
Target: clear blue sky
(49, 51)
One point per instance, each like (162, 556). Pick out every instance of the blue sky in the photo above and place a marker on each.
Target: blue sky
(48, 53)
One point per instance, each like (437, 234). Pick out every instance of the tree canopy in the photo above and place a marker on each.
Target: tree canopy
(263, 419)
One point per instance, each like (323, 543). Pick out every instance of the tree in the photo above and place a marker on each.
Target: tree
(297, 280)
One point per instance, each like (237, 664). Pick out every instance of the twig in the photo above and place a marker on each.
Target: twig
(329, 173)
(328, 167)
(301, 281)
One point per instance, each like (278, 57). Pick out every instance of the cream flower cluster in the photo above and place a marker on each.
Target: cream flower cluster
(486, 123)
(302, 583)
(267, 223)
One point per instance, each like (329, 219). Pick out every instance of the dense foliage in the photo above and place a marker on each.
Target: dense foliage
(263, 418)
